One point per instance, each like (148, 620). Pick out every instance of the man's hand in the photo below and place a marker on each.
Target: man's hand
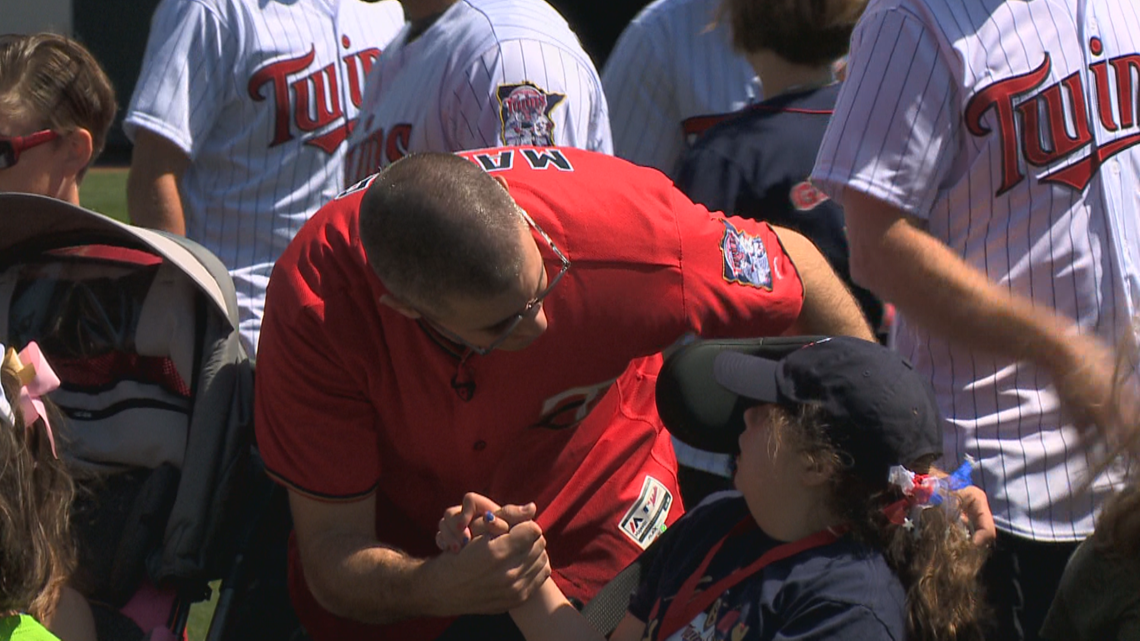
(477, 516)
(497, 557)
(1092, 389)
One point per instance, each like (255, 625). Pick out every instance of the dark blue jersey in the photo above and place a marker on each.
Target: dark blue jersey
(756, 163)
(844, 590)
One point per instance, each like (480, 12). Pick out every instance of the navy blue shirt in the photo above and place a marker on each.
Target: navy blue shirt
(840, 591)
(756, 164)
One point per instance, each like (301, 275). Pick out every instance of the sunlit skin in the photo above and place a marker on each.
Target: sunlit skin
(480, 321)
(786, 493)
(51, 169)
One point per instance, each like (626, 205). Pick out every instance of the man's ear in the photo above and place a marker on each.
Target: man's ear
(400, 306)
(502, 183)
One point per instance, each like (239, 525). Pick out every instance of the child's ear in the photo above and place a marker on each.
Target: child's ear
(816, 472)
(80, 146)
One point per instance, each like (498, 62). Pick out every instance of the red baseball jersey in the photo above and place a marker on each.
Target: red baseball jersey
(355, 398)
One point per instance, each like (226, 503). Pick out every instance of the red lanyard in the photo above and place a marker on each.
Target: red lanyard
(691, 605)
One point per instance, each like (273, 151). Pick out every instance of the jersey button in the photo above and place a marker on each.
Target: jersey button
(480, 446)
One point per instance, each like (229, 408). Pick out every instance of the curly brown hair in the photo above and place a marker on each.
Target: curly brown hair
(37, 554)
(805, 32)
(937, 563)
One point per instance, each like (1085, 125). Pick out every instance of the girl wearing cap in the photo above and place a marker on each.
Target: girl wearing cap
(56, 106)
(836, 533)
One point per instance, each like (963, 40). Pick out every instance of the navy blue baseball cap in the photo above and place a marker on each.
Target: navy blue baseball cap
(878, 411)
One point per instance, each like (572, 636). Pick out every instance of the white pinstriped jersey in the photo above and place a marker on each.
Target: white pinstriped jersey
(1009, 127)
(486, 73)
(259, 94)
(670, 74)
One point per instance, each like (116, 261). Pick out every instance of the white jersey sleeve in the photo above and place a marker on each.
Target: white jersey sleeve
(897, 124)
(526, 92)
(186, 71)
(644, 114)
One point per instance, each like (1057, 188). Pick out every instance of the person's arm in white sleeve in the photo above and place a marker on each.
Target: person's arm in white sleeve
(886, 173)
(182, 87)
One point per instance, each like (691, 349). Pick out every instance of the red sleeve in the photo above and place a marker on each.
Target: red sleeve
(737, 281)
(316, 429)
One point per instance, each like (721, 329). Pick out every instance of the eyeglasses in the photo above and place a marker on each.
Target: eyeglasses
(12, 146)
(512, 323)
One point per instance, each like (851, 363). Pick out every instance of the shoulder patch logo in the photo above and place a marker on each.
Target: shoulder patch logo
(525, 113)
(646, 519)
(745, 258)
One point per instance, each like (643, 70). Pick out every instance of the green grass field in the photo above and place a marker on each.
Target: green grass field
(105, 190)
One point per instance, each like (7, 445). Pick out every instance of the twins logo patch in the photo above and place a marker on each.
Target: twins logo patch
(524, 110)
(745, 258)
(646, 519)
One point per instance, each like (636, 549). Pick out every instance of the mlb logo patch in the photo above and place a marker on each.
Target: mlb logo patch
(646, 519)
(745, 258)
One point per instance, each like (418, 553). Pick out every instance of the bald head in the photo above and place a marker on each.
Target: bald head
(435, 226)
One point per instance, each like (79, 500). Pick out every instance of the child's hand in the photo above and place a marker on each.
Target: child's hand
(478, 516)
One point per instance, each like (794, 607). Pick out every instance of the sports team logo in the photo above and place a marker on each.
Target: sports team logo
(745, 258)
(806, 196)
(646, 519)
(524, 110)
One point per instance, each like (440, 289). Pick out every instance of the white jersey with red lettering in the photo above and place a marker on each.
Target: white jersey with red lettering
(485, 73)
(1009, 127)
(260, 95)
(672, 75)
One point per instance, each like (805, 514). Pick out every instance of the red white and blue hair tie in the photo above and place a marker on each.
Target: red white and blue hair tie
(924, 491)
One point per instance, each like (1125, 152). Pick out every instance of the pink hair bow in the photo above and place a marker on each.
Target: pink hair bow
(36, 379)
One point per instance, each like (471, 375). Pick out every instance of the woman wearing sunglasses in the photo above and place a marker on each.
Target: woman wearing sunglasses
(56, 105)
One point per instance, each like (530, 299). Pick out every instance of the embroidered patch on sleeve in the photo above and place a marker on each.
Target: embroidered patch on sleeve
(646, 519)
(806, 196)
(525, 113)
(745, 259)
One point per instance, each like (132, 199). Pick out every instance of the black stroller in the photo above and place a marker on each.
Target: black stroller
(140, 326)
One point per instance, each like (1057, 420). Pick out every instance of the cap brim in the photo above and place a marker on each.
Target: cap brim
(697, 407)
(749, 376)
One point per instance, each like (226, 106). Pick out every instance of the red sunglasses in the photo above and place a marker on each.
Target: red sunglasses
(12, 146)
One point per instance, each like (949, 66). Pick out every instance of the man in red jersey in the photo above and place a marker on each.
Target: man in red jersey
(492, 323)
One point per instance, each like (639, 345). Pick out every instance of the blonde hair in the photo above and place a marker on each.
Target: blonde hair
(57, 82)
(37, 554)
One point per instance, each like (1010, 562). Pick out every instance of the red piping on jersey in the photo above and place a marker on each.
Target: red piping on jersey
(792, 110)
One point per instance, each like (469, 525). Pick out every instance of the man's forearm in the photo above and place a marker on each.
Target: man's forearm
(938, 290)
(368, 582)
(828, 307)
